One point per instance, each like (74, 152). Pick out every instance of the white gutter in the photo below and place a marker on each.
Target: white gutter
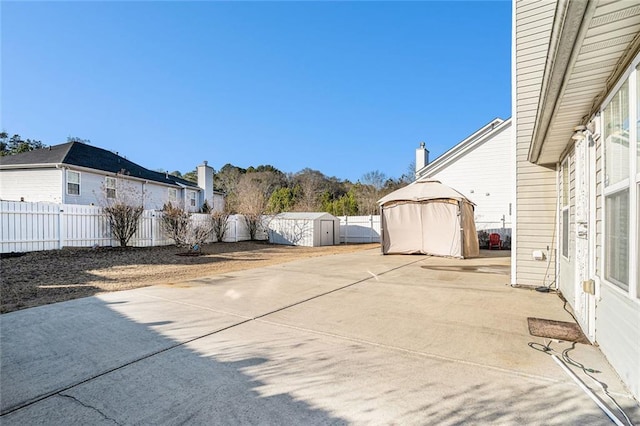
(30, 166)
(514, 141)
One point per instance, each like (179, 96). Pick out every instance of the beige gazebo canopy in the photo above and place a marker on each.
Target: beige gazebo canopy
(430, 218)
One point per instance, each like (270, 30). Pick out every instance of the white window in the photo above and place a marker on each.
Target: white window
(110, 186)
(617, 239)
(565, 208)
(192, 198)
(73, 183)
(173, 195)
(621, 141)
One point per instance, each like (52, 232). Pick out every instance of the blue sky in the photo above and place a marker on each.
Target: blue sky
(341, 87)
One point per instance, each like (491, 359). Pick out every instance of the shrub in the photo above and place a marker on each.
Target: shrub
(219, 220)
(175, 223)
(123, 219)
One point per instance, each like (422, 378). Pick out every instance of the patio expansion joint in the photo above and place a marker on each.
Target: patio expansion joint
(188, 341)
(416, 353)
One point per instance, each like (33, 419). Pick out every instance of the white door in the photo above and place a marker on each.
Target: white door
(327, 233)
(585, 231)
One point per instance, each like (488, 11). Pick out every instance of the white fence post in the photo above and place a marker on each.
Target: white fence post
(346, 229)
(61, 227)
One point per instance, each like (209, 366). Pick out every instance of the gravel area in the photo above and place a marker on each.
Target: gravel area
(39, 278)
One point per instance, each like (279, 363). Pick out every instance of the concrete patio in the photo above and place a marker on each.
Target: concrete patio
(358, 338)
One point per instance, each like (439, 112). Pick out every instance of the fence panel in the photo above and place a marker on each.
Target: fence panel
(47, 226)
(84, 226)
(29, 226)
(360, 229)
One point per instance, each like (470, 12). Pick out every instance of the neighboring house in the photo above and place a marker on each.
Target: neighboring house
(576, 109)
(478, 167)
(77, 173)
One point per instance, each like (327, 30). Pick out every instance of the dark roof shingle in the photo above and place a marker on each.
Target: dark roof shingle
(83, 155)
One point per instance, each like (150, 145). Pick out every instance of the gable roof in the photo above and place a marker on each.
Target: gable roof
(477, 138)
(83, 155)
(423, 191)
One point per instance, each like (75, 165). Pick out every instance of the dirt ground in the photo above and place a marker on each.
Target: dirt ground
(39, 278)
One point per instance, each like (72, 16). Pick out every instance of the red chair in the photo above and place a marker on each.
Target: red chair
(494, 241)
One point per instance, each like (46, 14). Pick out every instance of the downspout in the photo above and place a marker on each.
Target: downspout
(460, 224)
(64, 182)
(381, 229)
(514, 141)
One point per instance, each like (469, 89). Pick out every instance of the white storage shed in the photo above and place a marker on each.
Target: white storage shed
(304, 229)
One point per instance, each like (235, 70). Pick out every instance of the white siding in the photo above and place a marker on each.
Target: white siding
(483, 175)
(155, 196)
(38, 185)
(535, 185)
(218, 202)
(617, 319)
(152, 195)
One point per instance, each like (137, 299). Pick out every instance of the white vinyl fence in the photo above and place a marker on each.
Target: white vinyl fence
(28, 227)
(360, 229)
(46, 226)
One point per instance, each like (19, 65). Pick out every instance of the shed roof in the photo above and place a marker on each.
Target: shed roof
(423, 191)
(83, 155)
(305, 216)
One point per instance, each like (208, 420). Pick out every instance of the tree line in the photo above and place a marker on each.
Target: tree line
(266, 190)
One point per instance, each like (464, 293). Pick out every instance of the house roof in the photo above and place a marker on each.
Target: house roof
(479, 137)
(424, 191)
(83, 155)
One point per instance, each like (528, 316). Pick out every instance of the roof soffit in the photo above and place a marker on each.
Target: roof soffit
(608, 39)
(568, 30)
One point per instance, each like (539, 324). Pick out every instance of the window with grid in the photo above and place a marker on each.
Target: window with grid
(616, 181)
(73, 182)
(110, 186)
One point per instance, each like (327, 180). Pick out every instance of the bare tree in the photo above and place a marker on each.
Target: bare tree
(311, 183)
(220, 221)
(369, 191)
(185, 228)
(175, 223)
(122, 204)
(252, 195)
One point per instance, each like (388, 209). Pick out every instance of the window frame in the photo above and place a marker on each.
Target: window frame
(192, 197)
(172, 198)
(565, 208)
(113, 188)
(631, 184)
(68, 182)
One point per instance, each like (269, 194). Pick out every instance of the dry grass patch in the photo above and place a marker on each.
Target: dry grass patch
(39, 278)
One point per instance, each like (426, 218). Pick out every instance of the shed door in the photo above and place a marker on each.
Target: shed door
(327, 233)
